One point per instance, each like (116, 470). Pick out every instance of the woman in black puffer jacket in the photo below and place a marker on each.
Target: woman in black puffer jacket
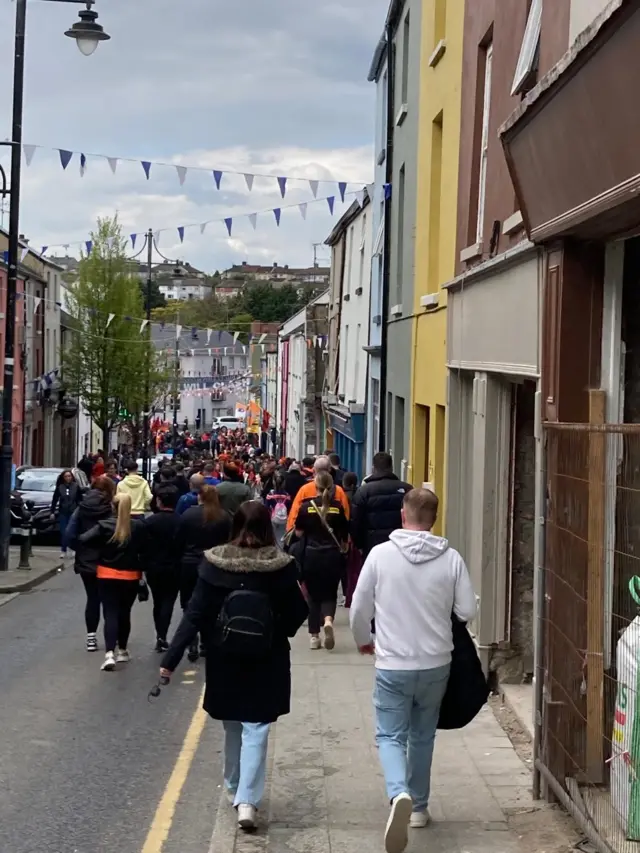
(95, 506)
(66, 498)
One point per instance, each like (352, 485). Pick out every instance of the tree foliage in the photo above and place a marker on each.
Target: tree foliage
(108, 366)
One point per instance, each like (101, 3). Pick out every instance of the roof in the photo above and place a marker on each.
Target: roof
(165, 336)
(379, 59)
(346, 219)
(275, 269)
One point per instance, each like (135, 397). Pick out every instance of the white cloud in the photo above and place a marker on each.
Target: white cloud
(277, 88)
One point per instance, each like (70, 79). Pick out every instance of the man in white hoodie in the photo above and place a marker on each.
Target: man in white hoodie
(411, 585)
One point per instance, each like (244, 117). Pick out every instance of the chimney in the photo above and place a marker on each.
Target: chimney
(275, 265)
(244, 263)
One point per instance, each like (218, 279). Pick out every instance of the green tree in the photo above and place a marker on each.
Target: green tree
(241, 323)
(108, 361)
(157, 297)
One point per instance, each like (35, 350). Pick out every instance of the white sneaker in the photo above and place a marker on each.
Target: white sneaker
(420, 819)
(329, 637)
(315, 644)
(92, 643)
(247, 817)
(109, 662)
(123, 656)
(396, 836)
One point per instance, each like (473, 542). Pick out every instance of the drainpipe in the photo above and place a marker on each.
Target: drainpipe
(386, 268)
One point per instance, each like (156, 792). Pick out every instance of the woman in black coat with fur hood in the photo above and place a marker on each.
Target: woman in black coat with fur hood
(246, 604)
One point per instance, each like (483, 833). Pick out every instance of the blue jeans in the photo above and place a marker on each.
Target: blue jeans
(245, 761)
(407, 704)
(63, 523)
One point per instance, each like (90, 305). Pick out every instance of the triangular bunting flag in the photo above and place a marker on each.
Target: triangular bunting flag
(109, 319)
(282, 183)
(83, 165)
(387, 192)
(253, 219)
(360, 197)
(209, 337)
(142, 325)
(244, 350)
(229, 222)
(181, 233)
(133, 238)
(182, 174)
(314, 188)
(113, 163)
(249, 181)
(370, 188)
(29, 151)
(89, 246)
(193, 352)
(202, 227)
(262, 337)
(36, 303)
(24, 254)
(156, 238)
(236, 335)
(331, 201)
(209, 352)
(65, 157)
(146, 165)
(178, 332)
(303, 209)
(277, 213)
(217, 177)
(43, 250)
(342, 188)
(263, 349)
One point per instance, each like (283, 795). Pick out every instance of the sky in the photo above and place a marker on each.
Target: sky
(276, 87)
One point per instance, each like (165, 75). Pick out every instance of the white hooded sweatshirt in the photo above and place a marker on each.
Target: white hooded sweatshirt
(411, 585)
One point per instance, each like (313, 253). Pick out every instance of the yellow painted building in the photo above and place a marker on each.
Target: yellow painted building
(437, 180)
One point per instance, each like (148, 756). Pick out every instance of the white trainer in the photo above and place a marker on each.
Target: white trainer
(123, 656)
(420, 819)
(109, 662)
(329, 637)
(247, 817)
(396, 836)
(315, 644)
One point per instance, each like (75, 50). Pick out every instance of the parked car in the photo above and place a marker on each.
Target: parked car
(36, 487)
(231, 422)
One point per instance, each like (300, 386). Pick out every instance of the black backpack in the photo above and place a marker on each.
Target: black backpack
(244, 627)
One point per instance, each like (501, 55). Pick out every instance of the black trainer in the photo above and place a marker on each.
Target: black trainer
(161, 645)
(193, 654)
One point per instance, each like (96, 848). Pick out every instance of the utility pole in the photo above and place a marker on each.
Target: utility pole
(176, 396)
(147, 391)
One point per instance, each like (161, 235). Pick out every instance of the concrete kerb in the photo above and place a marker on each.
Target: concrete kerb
(23, 580)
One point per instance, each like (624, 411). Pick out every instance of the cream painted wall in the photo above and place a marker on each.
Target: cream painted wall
(582, 14)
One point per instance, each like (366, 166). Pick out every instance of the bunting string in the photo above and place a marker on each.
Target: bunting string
(227, 221)
(182, 170)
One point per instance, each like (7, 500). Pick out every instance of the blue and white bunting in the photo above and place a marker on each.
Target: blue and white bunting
(65, 157)
(387, 192)
(282, 183)
(181, 233)
(133, 238)
(146, 165)
(303, 209)
(29, 151)
(83, 165)
(249, 180)
(342, 188)
(277, 212)
(331, 201)
(217, 177)
(113, 163)
(229, 222)
(253, 219)
(89, 246)
(313, 186)
(182, 174)
(143, 326)
(109, 319)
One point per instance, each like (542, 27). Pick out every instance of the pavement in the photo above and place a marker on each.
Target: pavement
(44, 562)
(88, 765)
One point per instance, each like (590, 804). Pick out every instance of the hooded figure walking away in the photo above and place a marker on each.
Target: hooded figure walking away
(246, 604)
(137, 488)
(412, 584)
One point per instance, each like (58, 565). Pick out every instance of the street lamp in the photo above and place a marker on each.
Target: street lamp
(87, 34)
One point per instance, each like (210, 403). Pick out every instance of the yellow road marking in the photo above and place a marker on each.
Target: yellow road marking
(163, 818)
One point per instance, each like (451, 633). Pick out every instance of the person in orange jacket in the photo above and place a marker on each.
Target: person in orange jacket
(322, 463)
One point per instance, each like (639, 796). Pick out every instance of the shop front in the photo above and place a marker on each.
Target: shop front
(348, 428)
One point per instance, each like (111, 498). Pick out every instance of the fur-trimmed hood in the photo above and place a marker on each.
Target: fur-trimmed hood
(230, 558)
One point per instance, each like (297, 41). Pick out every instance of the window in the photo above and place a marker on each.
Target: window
(382, 118)
(527, 66)
(440, 22)
(484, 142)
(356, 373)
(363, 238)
(344, 353)
(405, 60)
(375, 410)
(346, 284)
(400, 246)
(435, 205)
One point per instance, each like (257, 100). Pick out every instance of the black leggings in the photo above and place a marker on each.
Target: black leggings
(164, 589)
(318, 611)
(118, 598)
(322, 591)
(92, 608)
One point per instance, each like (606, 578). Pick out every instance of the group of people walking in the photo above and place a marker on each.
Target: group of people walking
(250, 564)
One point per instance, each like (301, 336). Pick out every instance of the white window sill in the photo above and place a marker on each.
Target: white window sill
(430, 300)
(471, 253)
(396, 311)
(402, 114)
(438, 52)
(513, 224)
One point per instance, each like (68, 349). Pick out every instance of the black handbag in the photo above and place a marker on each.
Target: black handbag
(143, 590)
(467, 690)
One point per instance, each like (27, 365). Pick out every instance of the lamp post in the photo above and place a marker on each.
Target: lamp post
(88, 34)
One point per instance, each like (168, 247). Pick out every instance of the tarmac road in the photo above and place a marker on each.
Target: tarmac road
(87, 764)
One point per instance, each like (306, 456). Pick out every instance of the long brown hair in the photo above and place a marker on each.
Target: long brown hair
(324, 485)
(252, 527)
(209, 500)
(122, 503)
(106, 486)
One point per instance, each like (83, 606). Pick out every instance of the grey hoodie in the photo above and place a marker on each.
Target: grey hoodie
(411, 585)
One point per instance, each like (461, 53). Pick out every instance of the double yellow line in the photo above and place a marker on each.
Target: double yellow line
(163, 818)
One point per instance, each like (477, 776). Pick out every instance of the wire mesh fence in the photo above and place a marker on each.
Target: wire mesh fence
(590, 738)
